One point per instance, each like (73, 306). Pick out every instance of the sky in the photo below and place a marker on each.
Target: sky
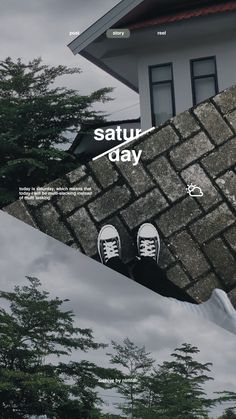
(114, 307)
(41, 28)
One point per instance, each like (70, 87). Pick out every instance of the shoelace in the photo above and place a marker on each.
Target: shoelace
(147, 247)
(110, 249)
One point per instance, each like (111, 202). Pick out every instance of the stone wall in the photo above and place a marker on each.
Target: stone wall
(198, 234)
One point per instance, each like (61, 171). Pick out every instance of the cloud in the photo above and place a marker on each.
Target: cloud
(112, 305)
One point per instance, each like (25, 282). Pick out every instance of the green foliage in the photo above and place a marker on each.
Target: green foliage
(176, 386)
(229, 414)
(33, 331)
(35, 119)
(173, 390)
(39, 377)
(136, 364)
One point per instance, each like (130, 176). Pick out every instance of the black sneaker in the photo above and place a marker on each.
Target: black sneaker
(148, 241)
(108, 243)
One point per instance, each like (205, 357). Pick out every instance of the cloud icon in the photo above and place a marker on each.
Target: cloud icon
(194, 190)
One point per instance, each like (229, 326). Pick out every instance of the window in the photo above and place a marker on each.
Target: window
(204, 79)
(162, 93)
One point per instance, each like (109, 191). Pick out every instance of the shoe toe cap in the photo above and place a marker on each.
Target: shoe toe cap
(108, 232)
(148, 230)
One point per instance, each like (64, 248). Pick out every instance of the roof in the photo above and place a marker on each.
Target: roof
(188, 14)
(102, 24)
(119, 58)
(89, 127)
(127, 13)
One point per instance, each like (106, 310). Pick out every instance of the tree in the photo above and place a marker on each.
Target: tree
(136, 364)
(34, 330)
(36, 119)
(229, 414)
(176, 388)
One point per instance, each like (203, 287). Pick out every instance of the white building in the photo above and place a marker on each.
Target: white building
(174, 53)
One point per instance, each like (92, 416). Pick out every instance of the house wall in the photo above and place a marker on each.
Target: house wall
(185, 41)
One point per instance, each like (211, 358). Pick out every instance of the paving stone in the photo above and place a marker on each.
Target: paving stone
(50, 223)
(178, 216)
(190, 150)
(76, 174)
(157, 143)
(75, 246)
(202, 289)
(167, 179)
(226, 100)
(137, 177)
(190, 254)
(144, 208)
(104, 171)
(196, 175)
(231, 117)
(19, 210)
(173, 155)
(186, 124)
(230, 236)
(213, 223)
(221, 159)
(84, 230)
(222, 260)
(178, 276)
(58, 183)
(227, 184)
(110, 202)
(213, 122)
(70, 203)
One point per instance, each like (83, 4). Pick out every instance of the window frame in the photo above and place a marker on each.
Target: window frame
(151, 84)
(193, 78)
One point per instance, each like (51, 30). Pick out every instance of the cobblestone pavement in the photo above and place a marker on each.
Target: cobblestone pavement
(198, 234)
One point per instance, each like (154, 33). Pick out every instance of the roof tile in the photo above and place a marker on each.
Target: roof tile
(187, 14)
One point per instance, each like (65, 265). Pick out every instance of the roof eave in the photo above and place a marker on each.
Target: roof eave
(102, 24)
(107, 69)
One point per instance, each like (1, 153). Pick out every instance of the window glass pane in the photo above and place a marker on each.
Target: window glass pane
(162, 102)
(204, 67)
(204, 88)
(161, 73)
